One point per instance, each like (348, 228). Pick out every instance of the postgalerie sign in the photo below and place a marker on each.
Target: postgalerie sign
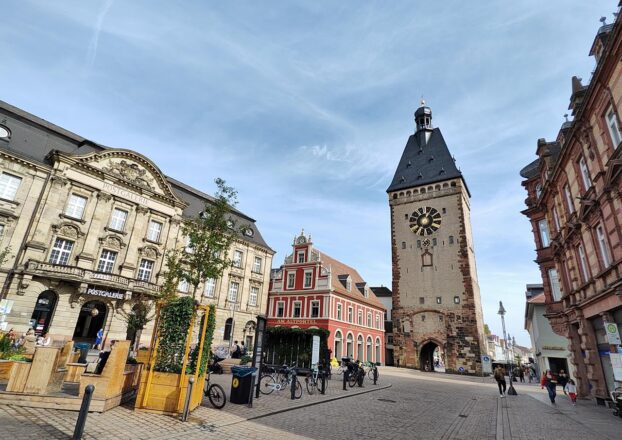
(296, 322)
(104, 293)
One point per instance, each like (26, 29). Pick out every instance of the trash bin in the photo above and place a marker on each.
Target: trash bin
(84, 348)
(241, 384)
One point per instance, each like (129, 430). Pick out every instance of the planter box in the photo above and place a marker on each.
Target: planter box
(19, 375)
(5, 369)
(165, 391)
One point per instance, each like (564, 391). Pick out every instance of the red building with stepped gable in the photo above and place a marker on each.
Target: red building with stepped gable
(313, 290)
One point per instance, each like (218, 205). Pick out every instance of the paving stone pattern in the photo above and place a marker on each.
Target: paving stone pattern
(416, 406)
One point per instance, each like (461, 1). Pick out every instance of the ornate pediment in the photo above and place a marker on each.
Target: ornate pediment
(112, 241)
(67, 230)
(130, 172)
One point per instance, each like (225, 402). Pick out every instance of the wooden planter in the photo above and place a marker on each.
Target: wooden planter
(166, 396)
(5, 369)
(19, 375)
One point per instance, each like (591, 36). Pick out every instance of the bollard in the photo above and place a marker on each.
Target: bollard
(360, 376)
(84, 411)
(323, 389)
(346, 375)
(293, 387)
(375, 374)
(184, 415)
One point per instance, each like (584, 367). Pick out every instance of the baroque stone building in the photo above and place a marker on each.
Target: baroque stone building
(575, 209)
(87, 228)
(436, 299)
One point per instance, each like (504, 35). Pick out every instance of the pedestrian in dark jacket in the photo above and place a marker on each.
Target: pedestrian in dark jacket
(562, 379)
(550, 382)
(499, 375)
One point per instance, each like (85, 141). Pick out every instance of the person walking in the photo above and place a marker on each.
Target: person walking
(30, 342)
(499, 376)
(99, 338)
(521, 374)
(550, 382)
(571, 390)
(562, 378)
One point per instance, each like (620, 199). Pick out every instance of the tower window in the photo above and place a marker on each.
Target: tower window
(405, 216)
(444, 210)
(434, 242)
(451, 239)
(403, 245)
(418, 244)
(456, 299)
(421, 300)
(439, 300)
(423, 317)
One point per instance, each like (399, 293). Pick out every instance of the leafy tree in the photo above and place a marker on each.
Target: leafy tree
(486, 329)
(210, 236)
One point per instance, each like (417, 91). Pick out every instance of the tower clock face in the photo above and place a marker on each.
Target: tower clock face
(425, 221)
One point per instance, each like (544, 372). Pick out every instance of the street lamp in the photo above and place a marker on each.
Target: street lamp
(501, 312)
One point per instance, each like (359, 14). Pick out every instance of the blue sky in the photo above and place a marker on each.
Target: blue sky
(305, 107)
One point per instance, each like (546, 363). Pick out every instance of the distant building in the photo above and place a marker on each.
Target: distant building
(313, 290)
(385, 297)
(574, 206)
(550, 349)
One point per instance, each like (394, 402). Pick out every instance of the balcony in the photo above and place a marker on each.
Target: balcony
(80, 275)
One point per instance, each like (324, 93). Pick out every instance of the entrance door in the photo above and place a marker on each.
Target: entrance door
(558, 364)
(42, 314)
(92, 318)
(426, 358)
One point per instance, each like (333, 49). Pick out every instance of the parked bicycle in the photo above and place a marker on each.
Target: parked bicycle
(313, 381)
(215, 393)
(280, 380)
(356, 371)
(369, 370)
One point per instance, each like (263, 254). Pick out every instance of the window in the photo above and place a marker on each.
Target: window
(538, 190)
(237, 258)
(280, 309)
(555, 289)
(556, 219)
(8, 186)
(61, 251)
(315, 309)
(451, 239)
(378, 321)
(300, 258)
(308, 279)
(403, 245)
(423, 317)
(233, 291)
(418, 244)
(183, 286)
(585, 274)
(350, 314)
(390, 339)
(291, 280)
(543, 227)
(421, 300)
(369, 323)
(297, 309)
(4, 132)
(257, 265)
(154, 231)
(456, 299)
(439, 300)
(117, 221)
(75, 206)
(434, 242)
(144, 270)
(349, 284)
(568, 195)
(106, 261)
(585, 174)
(252, 297)
(614, 130)
(602, 245)
(210, 287)
(339, 312)
(360, 318)
(188, 246)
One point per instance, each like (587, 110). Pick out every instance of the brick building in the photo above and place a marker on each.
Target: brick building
(313, 290)
(437, 310)
(574, 206)
(87, 228)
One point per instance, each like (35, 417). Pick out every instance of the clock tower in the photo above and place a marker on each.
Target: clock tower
(437, 311)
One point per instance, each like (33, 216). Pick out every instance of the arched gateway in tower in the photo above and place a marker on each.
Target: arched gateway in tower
(436, 299)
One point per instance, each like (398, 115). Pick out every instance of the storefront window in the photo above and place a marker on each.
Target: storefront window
(42, 314)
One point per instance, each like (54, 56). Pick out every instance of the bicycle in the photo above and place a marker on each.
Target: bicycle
(369, 370)
(215, 393)
(313, 381)
(356, 371)
(279, 381)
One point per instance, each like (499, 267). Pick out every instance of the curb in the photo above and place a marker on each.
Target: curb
(305, 405)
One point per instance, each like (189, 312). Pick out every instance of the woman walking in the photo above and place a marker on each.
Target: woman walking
(500, 378)
(550, 382)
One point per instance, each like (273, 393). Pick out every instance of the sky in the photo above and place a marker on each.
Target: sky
(305, 107)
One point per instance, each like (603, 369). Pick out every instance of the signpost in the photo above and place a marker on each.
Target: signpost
(613, 335)
(315, 351)
(486, 364)
(257, 361)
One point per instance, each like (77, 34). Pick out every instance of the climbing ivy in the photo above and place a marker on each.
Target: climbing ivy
(287, 345)
(174, 322)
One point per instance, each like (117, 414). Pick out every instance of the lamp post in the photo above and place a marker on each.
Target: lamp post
(501, 312)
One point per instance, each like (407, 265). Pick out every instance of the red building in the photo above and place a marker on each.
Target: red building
(313, 290)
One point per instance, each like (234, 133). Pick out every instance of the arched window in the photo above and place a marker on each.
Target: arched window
(378, 350)
(337, 353)
(44, 309)
(349, 345)
(228, 328)
(359, 348)
(370, 349)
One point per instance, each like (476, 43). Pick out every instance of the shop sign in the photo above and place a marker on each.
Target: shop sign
(296, 322)
(613, 336)
(96, 291)
(549, 347)
(315, 350)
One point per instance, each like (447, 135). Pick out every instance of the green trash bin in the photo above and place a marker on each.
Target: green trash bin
(241, 384)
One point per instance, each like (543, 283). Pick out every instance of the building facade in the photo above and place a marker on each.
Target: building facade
(86, 229)
(574, 206)
(313, 290)
(436, 299)
(385, 296)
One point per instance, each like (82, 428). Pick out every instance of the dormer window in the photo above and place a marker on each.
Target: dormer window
(300, 257)
(349, 284)
(4, 132)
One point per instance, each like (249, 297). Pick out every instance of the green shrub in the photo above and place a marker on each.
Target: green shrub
(245, 360)
(174, 321)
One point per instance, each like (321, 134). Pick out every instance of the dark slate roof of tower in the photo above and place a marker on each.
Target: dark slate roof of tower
(421, 165)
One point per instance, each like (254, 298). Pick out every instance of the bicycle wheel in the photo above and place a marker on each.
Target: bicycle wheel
(216, 395)
(352, 379)
(339, 370)
(311, 385)
(266, 384)
(298, 391)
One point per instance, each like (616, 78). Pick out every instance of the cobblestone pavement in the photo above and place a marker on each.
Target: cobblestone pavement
(417, 406)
